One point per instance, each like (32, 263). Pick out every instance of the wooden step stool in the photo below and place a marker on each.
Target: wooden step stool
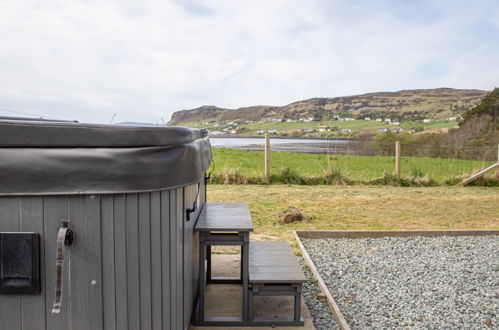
(274, 271)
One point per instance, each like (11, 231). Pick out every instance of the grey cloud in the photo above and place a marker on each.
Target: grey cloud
(144, 60)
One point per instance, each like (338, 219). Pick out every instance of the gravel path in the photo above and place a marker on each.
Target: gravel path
(414, 282)
(319, 310)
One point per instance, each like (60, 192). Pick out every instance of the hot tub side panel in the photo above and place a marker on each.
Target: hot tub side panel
(192, 195)
(125, 269)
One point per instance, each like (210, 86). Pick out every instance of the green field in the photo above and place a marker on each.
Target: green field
(357, 126)
(357, 168)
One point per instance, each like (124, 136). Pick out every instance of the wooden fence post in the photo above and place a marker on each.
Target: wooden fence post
(397, 159)
(483, 172)
(497, 174)
(267, 158)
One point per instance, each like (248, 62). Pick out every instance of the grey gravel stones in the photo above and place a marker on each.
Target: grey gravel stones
(319, 310)
(414, 282)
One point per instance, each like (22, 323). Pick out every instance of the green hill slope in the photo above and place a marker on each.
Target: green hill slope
(438, 104)
(340, 116)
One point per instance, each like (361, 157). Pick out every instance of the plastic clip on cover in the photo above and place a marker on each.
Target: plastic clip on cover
(19, 263)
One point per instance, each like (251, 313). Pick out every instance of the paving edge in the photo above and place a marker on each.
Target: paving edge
(333, 307)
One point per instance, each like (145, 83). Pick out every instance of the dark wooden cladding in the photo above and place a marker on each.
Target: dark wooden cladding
(133, 263)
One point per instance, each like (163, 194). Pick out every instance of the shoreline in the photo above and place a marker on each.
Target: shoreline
(281, 137)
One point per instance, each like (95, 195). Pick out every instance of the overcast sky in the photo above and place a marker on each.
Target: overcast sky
(143, 60)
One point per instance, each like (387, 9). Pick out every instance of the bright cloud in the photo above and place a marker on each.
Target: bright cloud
(86, 60)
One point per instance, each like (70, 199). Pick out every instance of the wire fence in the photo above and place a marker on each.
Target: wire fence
(355, 162)
(415, 149)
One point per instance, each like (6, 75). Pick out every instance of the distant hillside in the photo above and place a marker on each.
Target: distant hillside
(405, 105)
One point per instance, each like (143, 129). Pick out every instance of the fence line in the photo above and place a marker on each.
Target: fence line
(411, 160)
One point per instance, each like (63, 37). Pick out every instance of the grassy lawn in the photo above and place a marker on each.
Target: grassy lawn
(357, 126)
(354, 125)
(359, 168)
(363, 207)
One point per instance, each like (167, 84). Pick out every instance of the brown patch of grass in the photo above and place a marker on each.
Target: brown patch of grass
(365, 207)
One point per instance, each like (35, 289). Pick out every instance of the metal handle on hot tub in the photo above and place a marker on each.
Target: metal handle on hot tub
(64, 238)
(188, 211)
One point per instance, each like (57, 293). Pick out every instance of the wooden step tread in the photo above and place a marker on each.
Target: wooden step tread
(273, 262)
(224, 217)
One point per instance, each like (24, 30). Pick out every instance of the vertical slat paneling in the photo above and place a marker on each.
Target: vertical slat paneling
(179, 219)
(33, 306)
(145, 260)
(156, 260)
(190, 194)
(136, 247)
(166, 248)
(76, 265)
(94, 261)
(120, 250)
(195, 251)
(10, 305)
(108, 262)
(191, 249)
(133, 262)
(55, 209)
(174, 288)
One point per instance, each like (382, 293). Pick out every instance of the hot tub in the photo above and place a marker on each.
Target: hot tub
(129, 195)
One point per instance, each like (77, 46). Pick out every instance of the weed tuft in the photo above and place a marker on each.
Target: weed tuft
(288, 176)
(334, 175)
(387, 179)
(417, 173)
(229, 176)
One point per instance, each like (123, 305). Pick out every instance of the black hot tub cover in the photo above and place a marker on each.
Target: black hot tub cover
(48, 158)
